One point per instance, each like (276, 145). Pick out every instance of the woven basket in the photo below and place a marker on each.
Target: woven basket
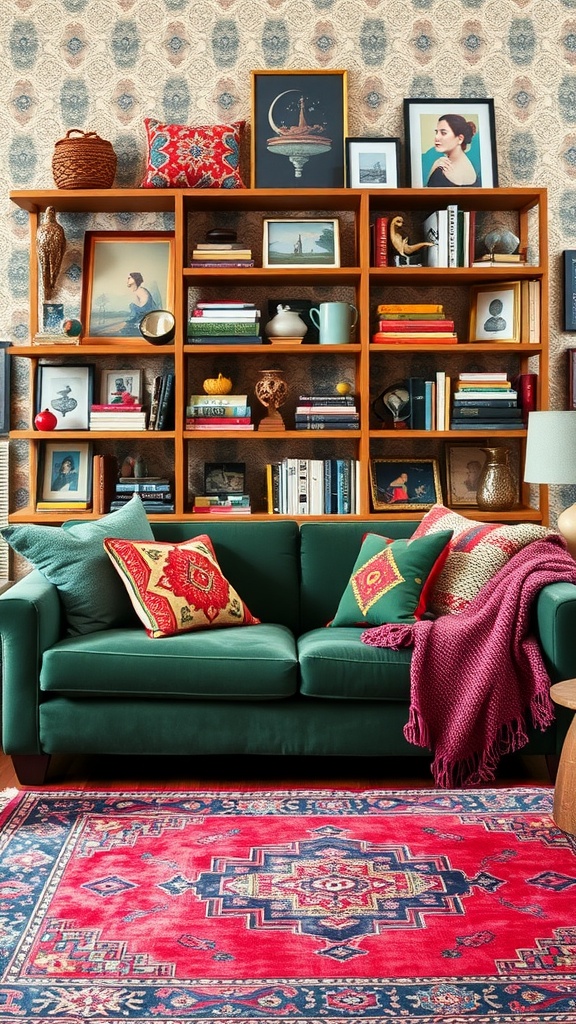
(83, 162)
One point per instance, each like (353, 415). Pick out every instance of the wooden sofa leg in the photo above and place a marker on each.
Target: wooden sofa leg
(31, 769)
(552, 762)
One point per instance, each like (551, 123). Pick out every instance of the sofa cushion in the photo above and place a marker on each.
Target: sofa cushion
(475, 554)
(390, 580)
(74, 560)
(175, 588)
(333, 664)
(192, 156)
(234, 664)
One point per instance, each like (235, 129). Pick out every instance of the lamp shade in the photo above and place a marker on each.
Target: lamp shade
(551, 448)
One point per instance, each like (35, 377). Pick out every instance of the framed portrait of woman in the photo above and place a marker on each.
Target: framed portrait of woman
(404, 484)
(450, 143)
(65, 473)
(125, 275)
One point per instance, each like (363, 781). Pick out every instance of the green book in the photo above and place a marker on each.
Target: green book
(199, 326)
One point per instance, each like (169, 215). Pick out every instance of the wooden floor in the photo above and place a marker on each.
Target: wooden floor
(193, 773)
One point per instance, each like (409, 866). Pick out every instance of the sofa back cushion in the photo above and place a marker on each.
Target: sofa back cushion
(328, 553)
(260, 559)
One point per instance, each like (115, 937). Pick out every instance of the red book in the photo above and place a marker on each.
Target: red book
(381, 242)
(423, 339)
(526, 385)
(416, 325)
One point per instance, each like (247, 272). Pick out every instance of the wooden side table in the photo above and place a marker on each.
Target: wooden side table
(564, 812)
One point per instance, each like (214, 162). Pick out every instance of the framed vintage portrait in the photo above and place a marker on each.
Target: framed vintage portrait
(464, 465)
(125, 275)
(4, 387)
(67, 391)
(65, 471)
(115, 385)
(450, 143)
(224, 478)
(570, 289)
(372, 163)
(495, 313)
(299, 123)
(398, 484)
(313, 242)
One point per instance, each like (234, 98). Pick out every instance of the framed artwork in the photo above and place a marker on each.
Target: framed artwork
(65, 471)
(495, 312)
(224, 478)
(4, 387)
(53, 317)
(299, 123)
(66, 390)
(125, 275)
(372, 163)
(118, 387)
(571, 378)
(404, 483)
(464, 465)
(570, 289)
(313, 242)
(450, 143)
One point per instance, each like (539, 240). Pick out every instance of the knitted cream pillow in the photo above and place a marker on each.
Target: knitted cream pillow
(475, 554)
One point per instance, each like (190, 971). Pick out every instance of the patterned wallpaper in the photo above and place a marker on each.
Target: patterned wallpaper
(104, 65)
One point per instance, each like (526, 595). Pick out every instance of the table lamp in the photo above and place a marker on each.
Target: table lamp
(551, 459)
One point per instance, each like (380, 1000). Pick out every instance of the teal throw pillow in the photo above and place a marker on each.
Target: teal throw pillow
(75, 561)
(391, 579)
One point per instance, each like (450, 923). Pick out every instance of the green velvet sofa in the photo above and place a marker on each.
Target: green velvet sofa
(287, 686)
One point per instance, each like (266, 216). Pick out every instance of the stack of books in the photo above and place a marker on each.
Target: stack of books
(221, 254)
(155, 492)
(224, 323)
(326, 412)
(222, 504)
(218, 412)
(499, 259)
(485, 401)
(313, 487)
(117, 416)
(413, 323)
(162, 404)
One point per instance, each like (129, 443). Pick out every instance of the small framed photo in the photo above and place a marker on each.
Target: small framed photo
(52, 317)
(495, 312)
(464, 465)
(125, 275)
(67, 391)
(121, 387)
(309, 242)
(571, 378)
(450, 143)
(298, 129)
(570, 289)
(224, 478)
(65, 471)
(404, 484)
(372, 163)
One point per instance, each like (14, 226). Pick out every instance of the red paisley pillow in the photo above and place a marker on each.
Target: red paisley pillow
(175, 588)
(192, 156)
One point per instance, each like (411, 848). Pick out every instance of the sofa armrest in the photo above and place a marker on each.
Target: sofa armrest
(31, 621)
(556, 629)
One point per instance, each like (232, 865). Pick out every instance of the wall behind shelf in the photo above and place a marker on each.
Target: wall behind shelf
(104, 66)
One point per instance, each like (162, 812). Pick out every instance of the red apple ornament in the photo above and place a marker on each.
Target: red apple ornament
(45, 420)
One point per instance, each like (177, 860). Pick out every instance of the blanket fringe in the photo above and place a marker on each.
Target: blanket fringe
(479, 768)
(393, 635)
(416, 730)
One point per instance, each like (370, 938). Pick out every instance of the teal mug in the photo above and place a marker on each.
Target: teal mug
(335, 322)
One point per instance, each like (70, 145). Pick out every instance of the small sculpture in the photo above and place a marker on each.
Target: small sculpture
(400, 242)
(271, 390)
(50, 245)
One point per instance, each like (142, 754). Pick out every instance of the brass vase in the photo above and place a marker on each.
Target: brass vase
(496, 487)
(271, 390)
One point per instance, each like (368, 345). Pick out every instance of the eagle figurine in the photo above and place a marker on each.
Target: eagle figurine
(50, 245)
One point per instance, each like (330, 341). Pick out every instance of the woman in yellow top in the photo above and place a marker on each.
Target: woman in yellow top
(453, 168)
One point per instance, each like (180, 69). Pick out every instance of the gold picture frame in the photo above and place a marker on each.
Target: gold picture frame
(412, 484)
(495, 312)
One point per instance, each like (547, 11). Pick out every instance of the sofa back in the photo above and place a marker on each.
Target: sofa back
(260, 559)
(328, 551)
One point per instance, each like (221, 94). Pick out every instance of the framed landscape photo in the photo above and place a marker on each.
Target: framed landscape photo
(450, 143)
(65, 471)
(67, 391)
(299, 122)
(495, 312)
(126, 274)
(120, 387)
(304, 242)
(404, 483)
(372, 163)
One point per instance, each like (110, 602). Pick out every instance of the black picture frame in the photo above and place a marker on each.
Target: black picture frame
(420, 119)
(66, 389)
(4, 387)
(285, 153)
(372, 162)
(224, 478)
(569, 256)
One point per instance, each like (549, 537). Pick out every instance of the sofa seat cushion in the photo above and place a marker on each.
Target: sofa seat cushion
(334, 664)
(229, 663)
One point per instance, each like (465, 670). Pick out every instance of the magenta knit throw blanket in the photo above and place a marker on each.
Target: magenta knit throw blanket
(476, 676)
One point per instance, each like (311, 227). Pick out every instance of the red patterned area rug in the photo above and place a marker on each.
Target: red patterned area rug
(295, 906)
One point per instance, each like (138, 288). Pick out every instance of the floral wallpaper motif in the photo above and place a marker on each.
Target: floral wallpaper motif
(104, 65)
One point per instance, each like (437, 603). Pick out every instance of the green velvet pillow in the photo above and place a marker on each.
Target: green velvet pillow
(75, 561)
(391, 579)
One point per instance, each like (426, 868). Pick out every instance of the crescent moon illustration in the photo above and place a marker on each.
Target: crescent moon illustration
(274, 126)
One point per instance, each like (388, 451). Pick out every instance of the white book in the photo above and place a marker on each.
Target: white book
(452, 211)
(316, 487)
(303, 500)
(440, 399)
(224, 317)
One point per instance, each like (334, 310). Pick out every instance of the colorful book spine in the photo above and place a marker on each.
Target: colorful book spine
(197, 326)
(381, 242)
(415, 325)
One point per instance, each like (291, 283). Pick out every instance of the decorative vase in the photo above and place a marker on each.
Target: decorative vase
(496, 487)
(271, 390)
(286, 324)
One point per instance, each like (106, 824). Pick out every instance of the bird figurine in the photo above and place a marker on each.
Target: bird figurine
(400, 242)
(50, 245)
